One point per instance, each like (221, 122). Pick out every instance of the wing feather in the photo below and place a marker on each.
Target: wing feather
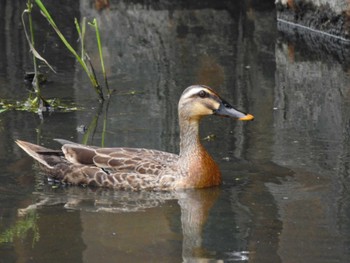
(114, 160)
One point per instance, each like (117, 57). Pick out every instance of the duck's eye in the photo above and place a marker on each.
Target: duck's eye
(202, 94)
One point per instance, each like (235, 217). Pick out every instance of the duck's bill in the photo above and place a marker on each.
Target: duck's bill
(226, 110)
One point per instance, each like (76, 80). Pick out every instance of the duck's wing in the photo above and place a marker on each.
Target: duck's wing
(95, 176)
(134, 160)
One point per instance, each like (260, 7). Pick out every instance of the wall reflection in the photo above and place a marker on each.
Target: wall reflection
(311, 121)
(158, 49)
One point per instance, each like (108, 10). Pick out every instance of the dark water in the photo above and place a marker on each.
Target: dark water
(285, 192)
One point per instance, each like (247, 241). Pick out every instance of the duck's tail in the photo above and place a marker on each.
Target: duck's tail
(47, 157)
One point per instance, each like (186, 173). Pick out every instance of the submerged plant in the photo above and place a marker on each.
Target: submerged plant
(21, 229)
(91, 129)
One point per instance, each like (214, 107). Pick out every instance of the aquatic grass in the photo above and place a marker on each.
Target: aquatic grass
(80, 59)
(94, 24)
(81, 29)
(81, 32)
(31, 42)
(35, 102)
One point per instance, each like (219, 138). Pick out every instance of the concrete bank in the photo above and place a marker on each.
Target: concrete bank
(328, 17)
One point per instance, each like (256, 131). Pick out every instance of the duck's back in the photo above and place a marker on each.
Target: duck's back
(119, 168)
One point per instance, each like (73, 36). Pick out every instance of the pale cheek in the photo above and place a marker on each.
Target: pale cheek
(201, 110)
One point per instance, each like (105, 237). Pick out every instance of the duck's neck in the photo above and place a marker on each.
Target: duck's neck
(199, 169)
(189, 138)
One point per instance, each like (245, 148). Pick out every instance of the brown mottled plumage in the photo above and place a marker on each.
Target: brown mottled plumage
(137, 168)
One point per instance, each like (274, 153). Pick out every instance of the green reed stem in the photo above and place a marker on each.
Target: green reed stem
(93, 80)
(98, 38)
(81, 31)
(31, 30)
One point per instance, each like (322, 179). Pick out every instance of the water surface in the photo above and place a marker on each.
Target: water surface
(285, 192)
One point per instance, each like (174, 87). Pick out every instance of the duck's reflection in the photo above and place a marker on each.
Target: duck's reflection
(195, 208)
(133, 225)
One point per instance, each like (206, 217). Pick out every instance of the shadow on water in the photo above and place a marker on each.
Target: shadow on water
(284, 196)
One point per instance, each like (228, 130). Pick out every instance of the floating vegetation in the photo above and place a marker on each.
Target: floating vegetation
(21, 229)
(31, 105)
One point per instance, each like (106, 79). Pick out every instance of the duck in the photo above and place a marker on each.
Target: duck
(139, 168)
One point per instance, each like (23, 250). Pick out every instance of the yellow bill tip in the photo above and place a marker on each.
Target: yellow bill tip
(247, 117)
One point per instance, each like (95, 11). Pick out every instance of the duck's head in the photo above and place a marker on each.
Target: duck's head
(198, 101)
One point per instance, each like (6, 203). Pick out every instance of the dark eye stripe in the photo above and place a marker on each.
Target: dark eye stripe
(204, 94)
